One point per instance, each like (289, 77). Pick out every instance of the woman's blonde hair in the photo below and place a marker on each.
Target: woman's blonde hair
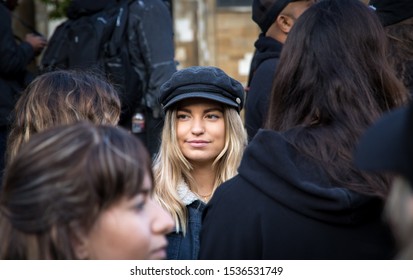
(400, 216)
(171, 167)
(62, 97)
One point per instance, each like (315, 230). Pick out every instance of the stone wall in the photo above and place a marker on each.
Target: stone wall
(205, 35)
(235, 36)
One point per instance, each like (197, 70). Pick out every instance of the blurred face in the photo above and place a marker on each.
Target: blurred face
(200, 130)
(132, 229)
(399, 207)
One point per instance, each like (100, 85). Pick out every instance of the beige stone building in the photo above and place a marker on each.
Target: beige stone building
(216, 33)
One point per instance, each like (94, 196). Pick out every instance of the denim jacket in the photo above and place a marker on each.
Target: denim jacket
(186, 247)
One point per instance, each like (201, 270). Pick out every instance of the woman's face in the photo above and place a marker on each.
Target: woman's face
(132, 229)
(200, 130)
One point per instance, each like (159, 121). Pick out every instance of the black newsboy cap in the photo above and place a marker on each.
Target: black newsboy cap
(204, 82)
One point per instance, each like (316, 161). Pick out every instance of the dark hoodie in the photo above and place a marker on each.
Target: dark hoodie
(282, 206)
(262, 73)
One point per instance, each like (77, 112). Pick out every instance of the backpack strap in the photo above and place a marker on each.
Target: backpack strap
(115, 41)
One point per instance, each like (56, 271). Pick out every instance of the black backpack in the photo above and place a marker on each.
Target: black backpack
(98, 43)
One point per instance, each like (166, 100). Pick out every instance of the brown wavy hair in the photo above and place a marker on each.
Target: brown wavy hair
(62, 97)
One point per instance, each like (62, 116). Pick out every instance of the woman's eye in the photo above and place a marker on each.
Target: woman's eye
(141, 205)
(182, 116)
(212, 116)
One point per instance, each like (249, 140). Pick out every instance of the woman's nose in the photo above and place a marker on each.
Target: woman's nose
(162, 222)
(198, 127)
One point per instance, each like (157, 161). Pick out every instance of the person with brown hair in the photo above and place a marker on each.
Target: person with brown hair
(297, 194)
(62, 97)
(81, 191)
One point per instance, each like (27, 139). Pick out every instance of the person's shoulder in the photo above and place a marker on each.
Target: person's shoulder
(226, 189)
(232, 191)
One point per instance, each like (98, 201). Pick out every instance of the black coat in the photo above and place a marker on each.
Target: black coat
(262, 74)
(14, 59)
(281, 206)
(150, 46)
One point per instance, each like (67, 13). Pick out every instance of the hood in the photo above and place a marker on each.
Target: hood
(266, 47)
(273, 166)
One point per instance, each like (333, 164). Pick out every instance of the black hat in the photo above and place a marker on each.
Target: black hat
(264, 12)
(388, 145)
(204, 82)
(392, 11)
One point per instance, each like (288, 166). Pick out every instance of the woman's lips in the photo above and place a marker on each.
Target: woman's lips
(198, 143)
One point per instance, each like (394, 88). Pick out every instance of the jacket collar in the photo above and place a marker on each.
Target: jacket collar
(185, 194)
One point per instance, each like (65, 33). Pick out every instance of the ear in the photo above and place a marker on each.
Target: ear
(285, 23)
(80, 245)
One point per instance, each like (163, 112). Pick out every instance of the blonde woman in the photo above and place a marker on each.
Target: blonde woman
(202, 144)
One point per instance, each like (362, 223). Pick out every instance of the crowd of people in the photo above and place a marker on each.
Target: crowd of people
(320, 168)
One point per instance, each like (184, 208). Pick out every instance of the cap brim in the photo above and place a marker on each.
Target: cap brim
(205, 95)
(383, 147)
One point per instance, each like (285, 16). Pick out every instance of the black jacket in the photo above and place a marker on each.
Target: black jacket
(14, 59)
(150, 44)
(281, 206)
(262, 74)
(150, 47)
